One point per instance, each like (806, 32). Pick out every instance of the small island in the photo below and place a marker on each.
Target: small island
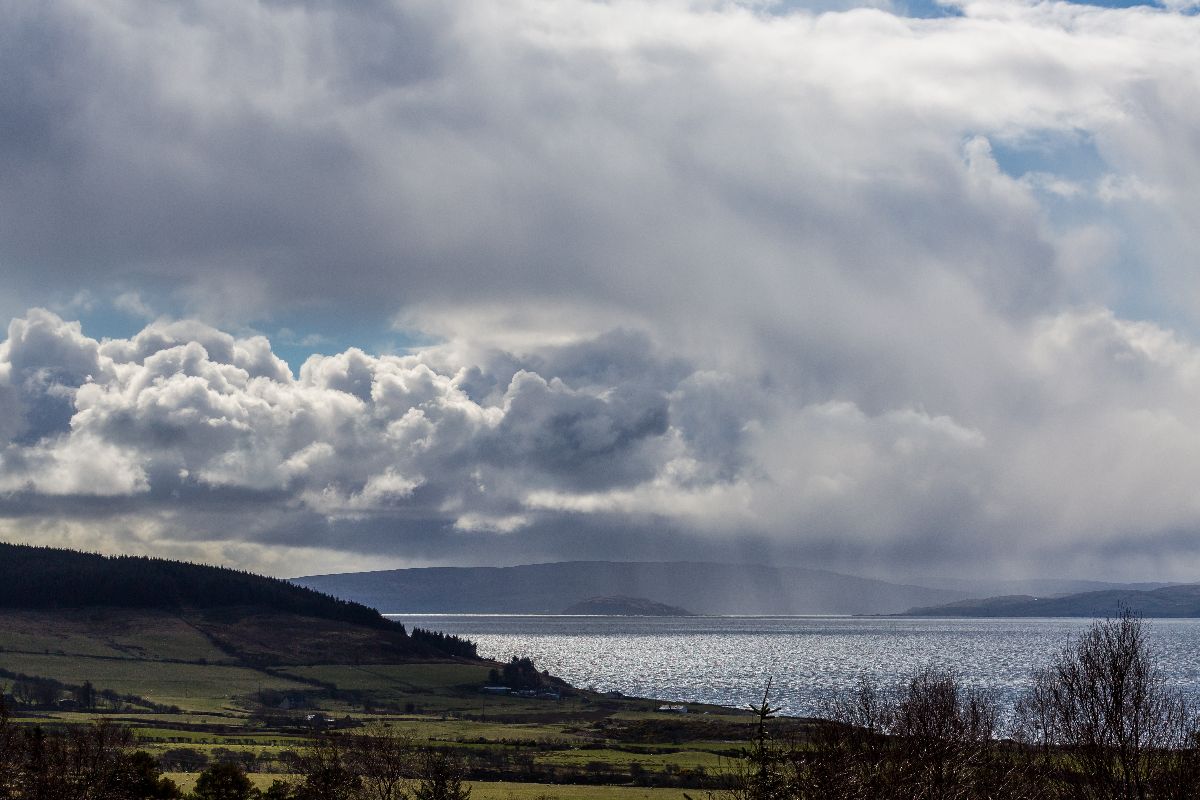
(621, 606)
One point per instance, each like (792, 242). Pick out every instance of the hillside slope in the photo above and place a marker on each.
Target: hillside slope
(46, 577)
(249, 618)
(700, 587)
(1169, 601)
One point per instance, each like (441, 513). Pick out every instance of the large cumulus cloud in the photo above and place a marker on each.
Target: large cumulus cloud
(183, 417)
(712, 277)
(189, 439)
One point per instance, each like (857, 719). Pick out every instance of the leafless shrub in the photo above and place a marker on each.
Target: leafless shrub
(385, 760)
(441, 777)
(86, 762)
(1104, 724)
(928, 738)
(328, 770)
(849, 755)
(10, 754)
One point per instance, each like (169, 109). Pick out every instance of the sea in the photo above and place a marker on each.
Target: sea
(808, 660)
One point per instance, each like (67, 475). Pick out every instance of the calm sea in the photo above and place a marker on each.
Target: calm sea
(727, 660)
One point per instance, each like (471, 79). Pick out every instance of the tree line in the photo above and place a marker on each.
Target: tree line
(36, 692)
(519, 673)
(445, 642)
(1098, 721)
(94, 762)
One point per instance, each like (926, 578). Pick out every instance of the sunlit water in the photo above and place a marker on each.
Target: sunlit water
(727, 660)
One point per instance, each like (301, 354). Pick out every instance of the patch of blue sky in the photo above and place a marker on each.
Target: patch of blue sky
(101, 320)
(296, 336)
(1070, 155)
(1137, 295)
(1065, 169)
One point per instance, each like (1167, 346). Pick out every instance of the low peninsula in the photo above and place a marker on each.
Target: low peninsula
(622, 606)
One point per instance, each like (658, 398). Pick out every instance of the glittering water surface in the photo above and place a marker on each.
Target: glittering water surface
(727, 660)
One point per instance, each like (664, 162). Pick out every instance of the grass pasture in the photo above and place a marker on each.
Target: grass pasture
(620, 760)
(398, 679)
(503, 790)
(498, 790)
(193, 687)
(435, 688)
(106, 633)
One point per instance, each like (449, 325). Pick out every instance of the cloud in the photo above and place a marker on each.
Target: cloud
(420, 458)
(181, 414)
(800, 280)
(132, 304)
(396, 155)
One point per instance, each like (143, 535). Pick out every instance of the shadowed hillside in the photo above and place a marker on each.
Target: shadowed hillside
(1169, 601)
(249, 618)
(45, 577)
(700, 587)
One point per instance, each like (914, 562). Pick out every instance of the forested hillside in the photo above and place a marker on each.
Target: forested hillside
(255, 616)
(44, 577)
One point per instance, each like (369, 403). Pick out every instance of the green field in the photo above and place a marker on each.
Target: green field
(401, 677)
(542, 791)
(502, 790)
(145, 635)
(195, 687)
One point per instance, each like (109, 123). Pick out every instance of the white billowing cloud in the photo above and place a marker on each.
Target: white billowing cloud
(132, 303)
(182, 407)
(1119, 403)
(81, 465)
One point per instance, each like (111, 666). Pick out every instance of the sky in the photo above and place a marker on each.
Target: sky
(893, 288)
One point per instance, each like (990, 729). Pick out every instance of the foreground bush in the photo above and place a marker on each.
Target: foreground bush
(1098, 722)
(929, 738)
(1105, 724)
(96, 762)
(380, 764)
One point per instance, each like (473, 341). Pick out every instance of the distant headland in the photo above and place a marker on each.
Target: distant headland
(622, 606)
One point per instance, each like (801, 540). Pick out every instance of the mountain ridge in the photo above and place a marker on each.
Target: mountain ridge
(699, 586)
(1175, 601)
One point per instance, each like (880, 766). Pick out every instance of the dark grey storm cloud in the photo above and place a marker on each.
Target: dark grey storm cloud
(697, 276)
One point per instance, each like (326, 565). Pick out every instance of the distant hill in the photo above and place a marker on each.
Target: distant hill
(1034, 587)
(1169, 601)
(702, 587)
(252, 617)
(620, 606)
